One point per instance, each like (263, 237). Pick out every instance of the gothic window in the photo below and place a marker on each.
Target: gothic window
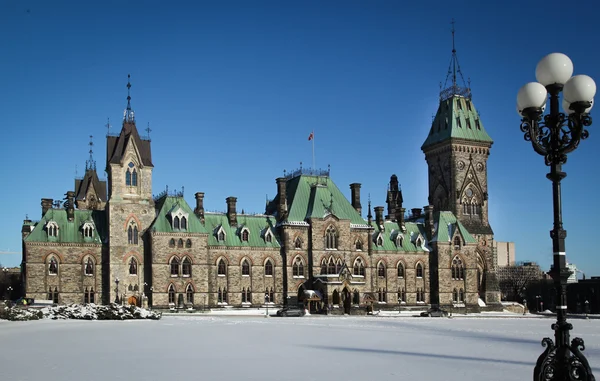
(171, 294)
(461, 295)
(268, 237)
(359, 245)
(271, 295)
(132, 233)
(136, 288)
(88, 230)
(53, 295)
(133, 266)
(455, 295)
(419, 242)
(130, 287)
(183, 223)
(246, 295)
(186, 267)
(85, 296)
(52, 229)
(180, 243)
(381, 270)
(399, 240)
(128, 178)
(331, 238)
(245, 235)
(355, 297)
(189, 293)
(221, 236)
(420, 296)
(298, 267)
(245, 268)
(323, 267)
(53, 266)
(298, 243)
(134, 178)
(222, 267)
(174, 267)
(338, 266)
(400, 270)
(419, 270)
(188, 243)
(457, 268)
(131, 178)
(89, 267)
(359, 268)
(401, 295)
(176, 223)
(269, 268)
(457, 243)
(382, 295)
(331, 266)
(172, 242)
(222, 295)
(92, 296)
(379, 240)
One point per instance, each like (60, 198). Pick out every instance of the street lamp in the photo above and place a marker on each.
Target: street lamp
(267, 303)
(117, 291)
(553, 136)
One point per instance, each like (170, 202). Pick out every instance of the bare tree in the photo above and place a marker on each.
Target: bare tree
(515, 279)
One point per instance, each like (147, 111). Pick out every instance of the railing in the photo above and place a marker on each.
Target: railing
(455, 90)
(308, 172)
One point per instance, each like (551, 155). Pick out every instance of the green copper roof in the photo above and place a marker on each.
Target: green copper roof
(317, 197)
(447, 225)
(257, 225)
(70, 231)
(168, 204)
(456, 118)
(391, 233)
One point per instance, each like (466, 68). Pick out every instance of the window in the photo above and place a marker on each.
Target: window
(298, 243)
(269, 268)
(131, 178)
(222, 267)
(399, 240)
(458, 122)
(132, 267)
(458, 103)
(174, 267)
(53, 295)
(455, 295)
(85, 296)
(359, 268)
(477, 124)
(188, 243)
(331, 266)
(400, 270)
(401, 295)
(419, 242)
(221, 236)
(134, 178)
(246, 295)
(189, 294)
(458, 271)
(92, 296)
(355, 297)
(270, 295)
(52, 229)
(379, 241)
(268, 237)
(298, 267)
(456, 243)
(331, 238)
(245, 268)
(176, 223)
(53, 266)
(419, 270)
(245, 235)
(381, 270)
(171, 294)
(222, 295)
(420, 295)
(183, 223)
(338, 266)
(461, 295)
(172, 242)
(323, 267)
(89, 267)
(359, 245)
(186, 267)
(132, 233)
(382, 295)
(88, 230)
(180, 243)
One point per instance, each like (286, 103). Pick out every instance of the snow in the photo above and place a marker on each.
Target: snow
(202, 346)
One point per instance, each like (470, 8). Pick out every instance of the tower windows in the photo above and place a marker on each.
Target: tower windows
(458, 271)
(245, 268)
(222, 267)
(186, 267)
(133, 266)
(269, 268)
(53, 266)
(419, 270)
(359, 267)
(331, 241)
(131, 176)
(89, 267)
(298, 267)
(132, 233)
(381, 270)
(174, 267)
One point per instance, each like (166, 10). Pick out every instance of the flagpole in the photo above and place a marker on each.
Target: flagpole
(313, 149)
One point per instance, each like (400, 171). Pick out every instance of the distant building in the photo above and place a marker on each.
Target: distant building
(505, 251)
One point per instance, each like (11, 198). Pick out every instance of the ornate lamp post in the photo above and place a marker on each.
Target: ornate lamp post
(267, 304)
(117, 291)
(553, 136)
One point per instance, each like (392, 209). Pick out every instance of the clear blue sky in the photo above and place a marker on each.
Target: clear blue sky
(233, 89)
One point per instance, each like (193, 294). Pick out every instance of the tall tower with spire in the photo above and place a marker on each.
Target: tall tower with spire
(130, 206)
(456, 150)
(90, 191)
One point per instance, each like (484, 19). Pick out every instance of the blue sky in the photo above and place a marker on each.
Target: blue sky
(232, 90)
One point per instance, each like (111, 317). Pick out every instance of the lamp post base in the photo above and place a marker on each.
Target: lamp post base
(563, 363)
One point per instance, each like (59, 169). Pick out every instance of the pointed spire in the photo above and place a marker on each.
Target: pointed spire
(128, 116)
(90, 164)
(454, 68)
(370, 215)
(107, 125)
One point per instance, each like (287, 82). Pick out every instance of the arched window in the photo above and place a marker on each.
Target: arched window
(134, 178)
(188, 243)
(128, 178)
(189, 293)
(89, 267)
(269, 268)
(133, 266)
(419, 242)
(172, 242)
(180, 243)
(331, 238)
(382, 295)
(222, 267)
(456, 243)
(401, 295)
(131, 175)
(136, 288)
(186, 267)
(176, 222)
(298, 243)
(246, 295)
(245, 268)
(379, 240)
(400, 270)
(457, 268)
(381, 270)
(359, 268)
(222, 295)
(455, 295)
(88, 231)
(183, 223)
(132, 233)
(245, 235)
(399, 240)
(323, 266)
(298, 267)
(268, 237)
(338, 266)
(419, 270)
(221, 236)
(461, 295)
(92, 296)
(355, 297)
(359, 245)
(171, 294)
(331, 266)
(53, 266)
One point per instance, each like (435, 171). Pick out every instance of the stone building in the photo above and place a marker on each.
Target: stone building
(115, 242)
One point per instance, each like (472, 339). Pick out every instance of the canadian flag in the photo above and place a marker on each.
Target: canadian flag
(311, 136)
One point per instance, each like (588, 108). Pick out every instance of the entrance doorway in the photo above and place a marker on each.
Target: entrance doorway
(347, 300)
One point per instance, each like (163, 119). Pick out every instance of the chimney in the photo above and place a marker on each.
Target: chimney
(400, 218)
(416, 212)
(355, 190)
(199, 211)
(429, 225)
(70, 205)
(379, 215)
(282, 198)
(46, 204)
(231, 213)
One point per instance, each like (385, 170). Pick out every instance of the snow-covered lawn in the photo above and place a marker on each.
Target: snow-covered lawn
(256, 348)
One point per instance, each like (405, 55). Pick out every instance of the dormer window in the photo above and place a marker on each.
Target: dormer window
(245, 235)
(379, 241)
(359, 245)
(268, 237)
(477, 124)
(456, 243)
(131, 175)
(419, 242)
(221, 236)
(458, 122)
(88, 230)
(179, 219)
(52, 229)
(399, 240)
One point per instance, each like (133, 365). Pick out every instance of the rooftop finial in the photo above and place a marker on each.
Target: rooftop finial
(454, 88)
(107, 125)
(129, 115)
(148, 130)
(91, 163)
